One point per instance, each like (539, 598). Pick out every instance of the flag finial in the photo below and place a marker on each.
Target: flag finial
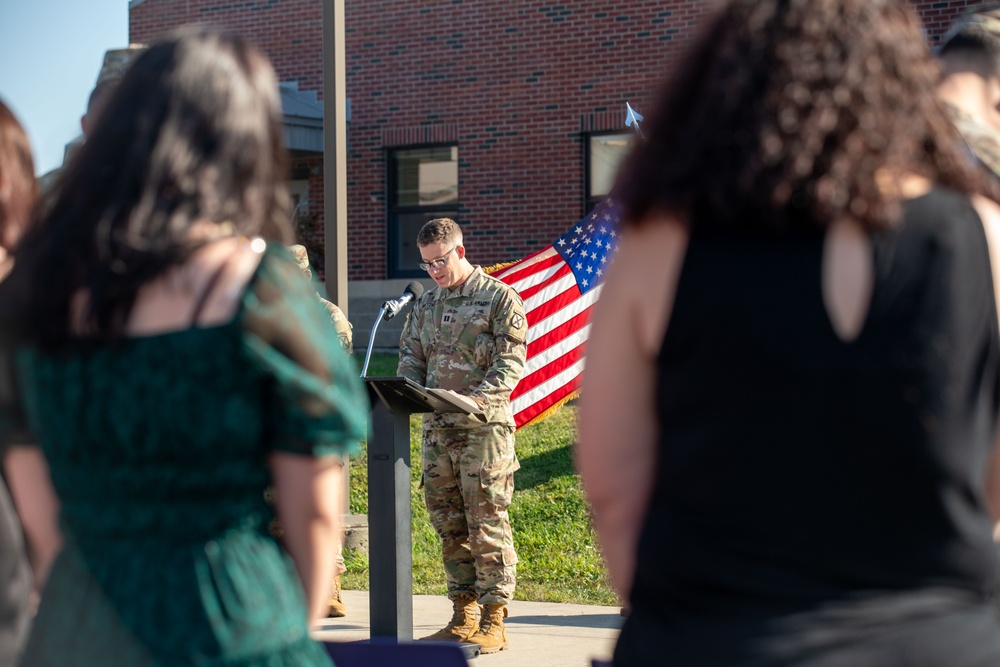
(632, 118)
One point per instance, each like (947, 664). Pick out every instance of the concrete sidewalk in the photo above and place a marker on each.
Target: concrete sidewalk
(540, 633)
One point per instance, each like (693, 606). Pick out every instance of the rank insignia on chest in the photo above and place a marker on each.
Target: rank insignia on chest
(447, 318)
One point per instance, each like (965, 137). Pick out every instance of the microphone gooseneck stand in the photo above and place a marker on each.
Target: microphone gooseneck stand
(371, 341)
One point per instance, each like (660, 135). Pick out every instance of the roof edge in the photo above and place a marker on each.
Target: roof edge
(132, 4)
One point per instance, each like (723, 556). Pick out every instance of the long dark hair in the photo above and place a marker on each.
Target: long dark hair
(785, 112)
(191, 133)
(18, 188)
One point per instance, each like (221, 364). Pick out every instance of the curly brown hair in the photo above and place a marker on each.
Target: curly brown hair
(786, 111)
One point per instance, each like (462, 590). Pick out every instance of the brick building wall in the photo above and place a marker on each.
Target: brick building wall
(938, 14)
(289, 31)
(516, 85)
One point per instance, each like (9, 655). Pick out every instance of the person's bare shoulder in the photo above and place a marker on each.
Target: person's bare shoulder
(235, 260)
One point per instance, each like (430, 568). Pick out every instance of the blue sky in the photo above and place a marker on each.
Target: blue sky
(51, 52)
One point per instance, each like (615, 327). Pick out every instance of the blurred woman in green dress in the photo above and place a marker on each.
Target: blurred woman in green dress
(170, 364)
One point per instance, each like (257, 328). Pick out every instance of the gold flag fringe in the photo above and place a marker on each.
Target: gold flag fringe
(551, 409)
(490, 270)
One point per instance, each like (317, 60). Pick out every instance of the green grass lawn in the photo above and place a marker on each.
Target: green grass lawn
(556, 545)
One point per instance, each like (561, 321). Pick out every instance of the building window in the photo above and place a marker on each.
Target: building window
(605, 154)
(298, 190)
(423, 185)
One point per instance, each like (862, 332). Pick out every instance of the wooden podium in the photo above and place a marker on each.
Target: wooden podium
(390, 552)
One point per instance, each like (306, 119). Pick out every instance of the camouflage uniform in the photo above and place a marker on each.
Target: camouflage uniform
(337, 317)
(983, 141)
(344, 334)
(340, 323)
(343, 328)
(470, 339)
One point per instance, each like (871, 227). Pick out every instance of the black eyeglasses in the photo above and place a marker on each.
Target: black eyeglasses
(437, 263)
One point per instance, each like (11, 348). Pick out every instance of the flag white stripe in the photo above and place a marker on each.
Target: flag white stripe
(529, 398)
(563, 315)
(550, 291)
(542, 359)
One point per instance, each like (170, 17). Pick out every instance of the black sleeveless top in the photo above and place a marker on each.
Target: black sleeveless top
(819, 502)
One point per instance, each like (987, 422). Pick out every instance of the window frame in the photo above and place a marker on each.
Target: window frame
(395, 268)
(590, 200)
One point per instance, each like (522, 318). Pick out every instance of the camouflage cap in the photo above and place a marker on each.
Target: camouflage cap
(116, 62)
(986, 18)
(301, 256)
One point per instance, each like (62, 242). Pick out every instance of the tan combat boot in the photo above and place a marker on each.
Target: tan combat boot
(464, 621)
(336, 604)
(492, 636)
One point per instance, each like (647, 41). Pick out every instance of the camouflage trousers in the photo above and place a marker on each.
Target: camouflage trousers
(468, 484)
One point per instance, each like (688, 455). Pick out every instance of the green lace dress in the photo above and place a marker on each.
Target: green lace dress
(158, 451)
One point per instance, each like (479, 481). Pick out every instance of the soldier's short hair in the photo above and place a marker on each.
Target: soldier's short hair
(439, 230)
(975, 37)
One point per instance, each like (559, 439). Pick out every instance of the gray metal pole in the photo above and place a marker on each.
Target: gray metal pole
(335, 174)
(335, 152)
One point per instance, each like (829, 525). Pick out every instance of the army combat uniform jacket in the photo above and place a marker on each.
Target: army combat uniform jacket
(471, 340)
(983, 141)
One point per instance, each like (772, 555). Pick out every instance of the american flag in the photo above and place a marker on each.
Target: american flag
(559, 285)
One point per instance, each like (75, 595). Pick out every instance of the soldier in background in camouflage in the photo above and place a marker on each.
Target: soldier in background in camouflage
(970, 86)
(468, 335)
(337, 317)
(336, 607)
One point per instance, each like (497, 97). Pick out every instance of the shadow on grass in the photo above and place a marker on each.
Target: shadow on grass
(540, 468)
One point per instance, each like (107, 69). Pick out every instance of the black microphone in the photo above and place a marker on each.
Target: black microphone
(412, 291)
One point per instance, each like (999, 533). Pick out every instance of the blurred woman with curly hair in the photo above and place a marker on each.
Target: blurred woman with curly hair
(796, 354)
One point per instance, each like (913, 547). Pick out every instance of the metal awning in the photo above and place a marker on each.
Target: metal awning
(302, 118)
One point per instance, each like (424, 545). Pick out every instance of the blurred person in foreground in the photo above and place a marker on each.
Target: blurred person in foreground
(170, 365)
(970, 85)
(18, 199)
(791, 397)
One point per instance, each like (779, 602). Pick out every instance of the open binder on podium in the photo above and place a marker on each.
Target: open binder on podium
(404, 395)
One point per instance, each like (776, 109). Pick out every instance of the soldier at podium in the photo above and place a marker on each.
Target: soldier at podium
(467, 335)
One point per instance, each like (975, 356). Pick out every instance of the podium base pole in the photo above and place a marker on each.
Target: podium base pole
(390, 544)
